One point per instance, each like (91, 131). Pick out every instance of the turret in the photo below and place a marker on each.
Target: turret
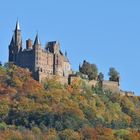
(18, 38)
(37, 52)
(16, 44)
(29, 44)
(37, 42)
(53, 47)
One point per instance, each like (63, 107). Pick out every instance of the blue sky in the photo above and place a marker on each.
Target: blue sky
(104, 32)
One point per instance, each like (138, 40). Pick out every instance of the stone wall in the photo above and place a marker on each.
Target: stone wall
(112, 86)
(127, 93)
(26, 59)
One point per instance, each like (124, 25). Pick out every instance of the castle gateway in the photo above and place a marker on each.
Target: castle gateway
(42, 62)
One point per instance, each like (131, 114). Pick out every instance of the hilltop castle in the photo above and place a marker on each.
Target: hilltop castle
(42, 62)
(49, 61)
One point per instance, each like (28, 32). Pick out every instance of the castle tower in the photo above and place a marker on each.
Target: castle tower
(58, 64)
(37, 49)
(18, 39)
(37, 42)
(15, 46)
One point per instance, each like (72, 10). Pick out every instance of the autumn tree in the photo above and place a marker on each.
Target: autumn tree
(49, 110)
(89, 69)
(113, 74)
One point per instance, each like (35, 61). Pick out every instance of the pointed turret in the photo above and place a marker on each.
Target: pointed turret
(15, 46)
(17, 26)
(17, 37)
(37, 41)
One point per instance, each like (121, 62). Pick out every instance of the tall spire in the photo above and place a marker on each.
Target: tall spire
(17, 26)
(37, 41)
(17, 37)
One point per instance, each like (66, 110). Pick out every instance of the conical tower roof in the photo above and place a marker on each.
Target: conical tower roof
(17, 26)
(37, 41)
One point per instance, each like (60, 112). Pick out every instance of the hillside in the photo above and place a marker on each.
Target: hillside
(51, 111)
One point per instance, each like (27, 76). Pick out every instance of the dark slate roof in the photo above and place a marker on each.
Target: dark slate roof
(37, 41)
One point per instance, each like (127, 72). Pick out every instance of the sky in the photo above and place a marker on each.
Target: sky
(103, 32)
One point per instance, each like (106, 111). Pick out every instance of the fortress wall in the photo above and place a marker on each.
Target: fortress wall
(74, 77)
(42, 76)
(46, 61)
(110, 85)
(67, 69)
(127, 93)
(62, 80)
(59, 64)
(26, 60)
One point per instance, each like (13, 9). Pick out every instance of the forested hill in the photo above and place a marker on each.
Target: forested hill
(51, 111)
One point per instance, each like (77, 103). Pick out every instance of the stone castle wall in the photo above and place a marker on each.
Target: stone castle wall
(26, 59)
(106, 85)
(112, 86)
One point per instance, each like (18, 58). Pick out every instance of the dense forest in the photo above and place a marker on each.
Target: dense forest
(50, 111)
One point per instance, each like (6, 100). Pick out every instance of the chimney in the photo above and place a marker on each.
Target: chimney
(29, 44)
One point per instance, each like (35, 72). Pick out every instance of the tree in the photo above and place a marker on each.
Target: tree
(85, 68)
(100, 79)
(94, 72)
(101, 76)
(113, 74)
(69, 134)
(89, 69)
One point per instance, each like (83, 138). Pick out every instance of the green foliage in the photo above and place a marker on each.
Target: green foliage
(49, 110)
(89, 69)
(101, 76)
(53, 83)
(113, 74)
(69, 134)
(3, 126)
(121, 134)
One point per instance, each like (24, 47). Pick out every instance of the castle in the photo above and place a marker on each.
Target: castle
(42, 62)
(49, 61)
